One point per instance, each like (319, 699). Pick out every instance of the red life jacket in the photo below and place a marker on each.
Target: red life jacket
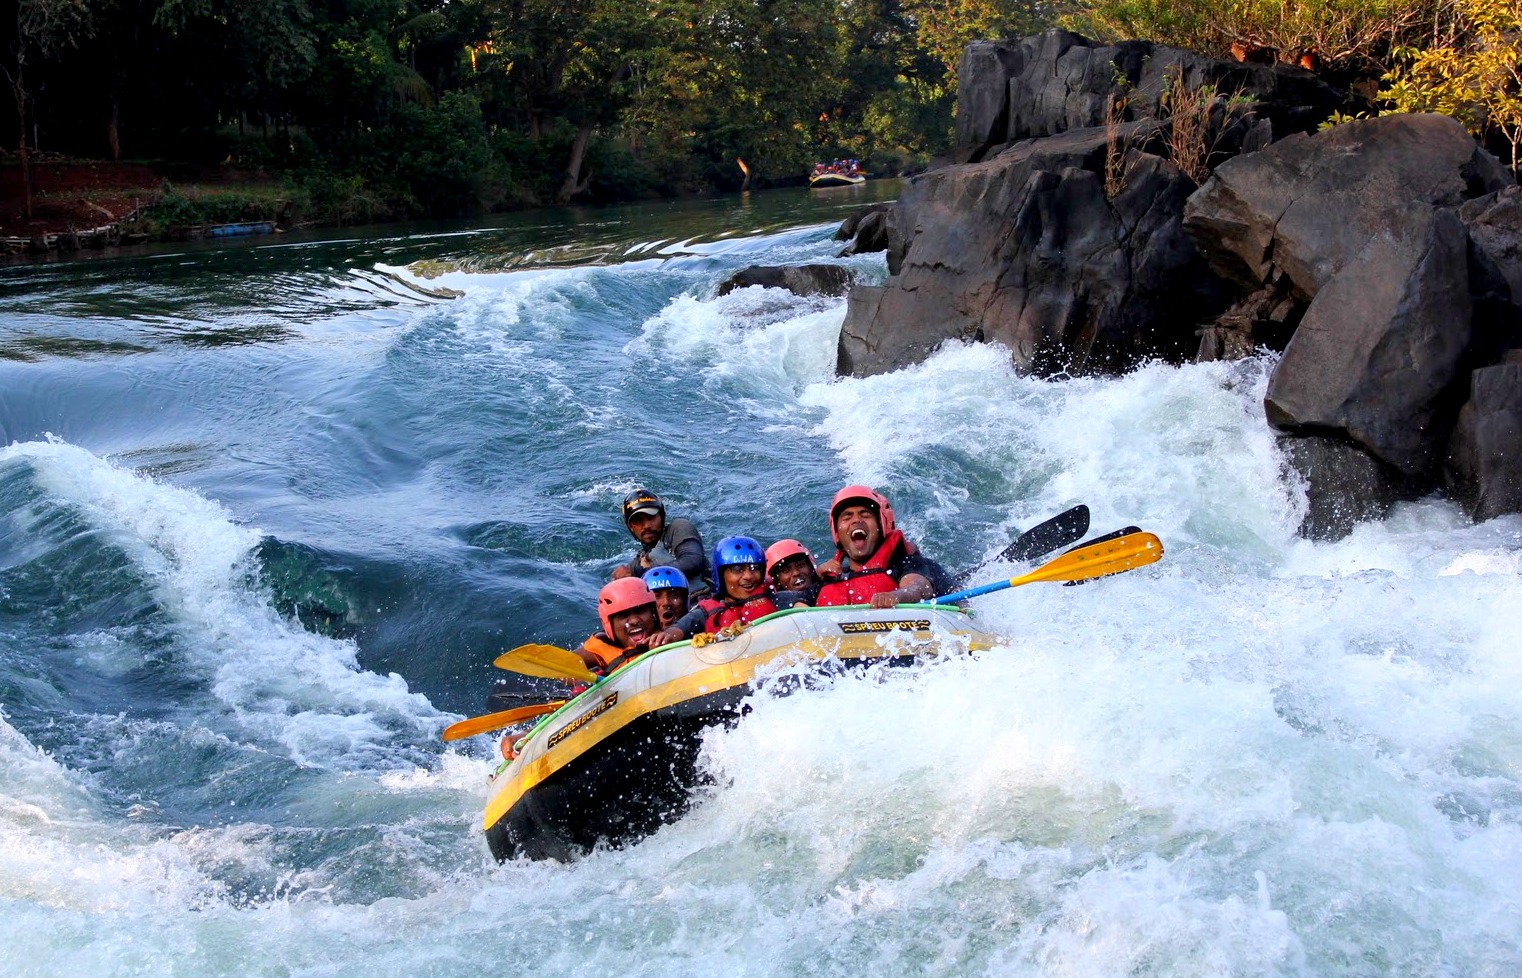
(727, 612)
(608, 655)
(858, 586)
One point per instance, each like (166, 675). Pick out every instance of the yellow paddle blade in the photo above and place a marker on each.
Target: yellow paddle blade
(1097, 560)
(496, 721)
(545, 662)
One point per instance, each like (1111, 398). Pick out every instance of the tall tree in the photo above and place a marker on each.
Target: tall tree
(266, 47)
(571, 61)
(42, 28)
(753, 79)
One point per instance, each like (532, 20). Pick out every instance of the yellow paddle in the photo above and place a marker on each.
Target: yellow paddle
(496, 721)
(1098, 559)
(545, 662)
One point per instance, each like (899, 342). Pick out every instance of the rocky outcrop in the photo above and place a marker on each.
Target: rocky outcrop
(1058, 81)
(1382, 257)
(1399, 236)
(1308, 204)
(1062, 236)
(1036, 256)
(799, 279)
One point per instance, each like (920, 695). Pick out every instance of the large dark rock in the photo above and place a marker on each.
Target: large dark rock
(1307, 205)
(1382, 341)
(1026, 249)
(1485, 457)
(799, 279)
(1056, 81)
(1344, 485)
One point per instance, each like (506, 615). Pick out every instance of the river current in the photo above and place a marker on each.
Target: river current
(267, 512)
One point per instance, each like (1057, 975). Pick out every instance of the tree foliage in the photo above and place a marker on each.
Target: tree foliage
(399, 107)
(1319, 33)
(411, 107)
(1474, 76)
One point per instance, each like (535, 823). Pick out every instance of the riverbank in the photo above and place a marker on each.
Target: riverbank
(81, 205)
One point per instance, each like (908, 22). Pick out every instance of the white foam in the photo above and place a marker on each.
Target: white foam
(778, 341)
(295, 688)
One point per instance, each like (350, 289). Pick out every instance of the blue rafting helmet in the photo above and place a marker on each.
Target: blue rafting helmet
(662, 578)
(737, 550)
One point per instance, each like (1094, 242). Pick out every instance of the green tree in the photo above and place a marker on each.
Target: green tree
(41, 29)
(944, 28)
(266, 47)
(744, 79)
(572, 61)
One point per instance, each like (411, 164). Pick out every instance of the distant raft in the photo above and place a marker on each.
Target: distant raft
(831, 178)
(620, 760)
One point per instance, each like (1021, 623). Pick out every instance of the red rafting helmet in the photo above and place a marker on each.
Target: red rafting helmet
(624, 594)
(862, 494)
(782, 550)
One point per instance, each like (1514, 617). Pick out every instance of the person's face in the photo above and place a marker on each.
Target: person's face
(794, 573)
(670, 604)
(741, 580)
(647, 527)
(633, 627)
(858, 531)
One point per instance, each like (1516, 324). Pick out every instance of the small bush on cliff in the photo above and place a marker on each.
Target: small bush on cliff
(1475, 76)
(1334, 33)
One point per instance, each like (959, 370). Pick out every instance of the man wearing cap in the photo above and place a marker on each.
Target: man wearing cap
(663, 543)
(873, 563)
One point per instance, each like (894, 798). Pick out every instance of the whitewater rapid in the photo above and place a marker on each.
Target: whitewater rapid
(1261, 756)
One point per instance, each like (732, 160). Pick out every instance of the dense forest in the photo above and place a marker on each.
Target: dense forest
(385, 108)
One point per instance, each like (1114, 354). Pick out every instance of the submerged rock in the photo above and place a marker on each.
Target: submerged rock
(799, 279)
(1345, 485)
(868, 231)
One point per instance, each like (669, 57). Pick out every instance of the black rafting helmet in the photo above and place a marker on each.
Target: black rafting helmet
(643, 501)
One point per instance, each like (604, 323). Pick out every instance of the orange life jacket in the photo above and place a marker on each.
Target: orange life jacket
(858, 586)
(608, 655)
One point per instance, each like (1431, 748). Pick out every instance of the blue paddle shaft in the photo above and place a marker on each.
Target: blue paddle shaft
(973, 592)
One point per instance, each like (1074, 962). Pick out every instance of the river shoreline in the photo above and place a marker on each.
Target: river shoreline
(82, 207)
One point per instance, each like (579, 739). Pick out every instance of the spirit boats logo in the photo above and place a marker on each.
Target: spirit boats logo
(902, 625)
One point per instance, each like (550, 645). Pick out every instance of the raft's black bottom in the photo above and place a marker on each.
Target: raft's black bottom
(619, 791)
(633, 782)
